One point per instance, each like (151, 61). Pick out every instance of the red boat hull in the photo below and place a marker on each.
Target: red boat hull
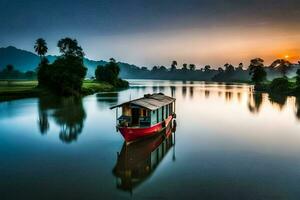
(131, 134)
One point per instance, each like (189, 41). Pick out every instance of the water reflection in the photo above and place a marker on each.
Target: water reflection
(297, 106)
(138, 161)
(278, 100)
(254, 102)
(107, 99)
(67, 113)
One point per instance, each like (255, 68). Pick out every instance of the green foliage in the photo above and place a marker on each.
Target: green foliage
(298, 77)
(43, 72)
(70, 47)
(256, 69)
(9, 72)
(65, 75)
(279, 85)
(109, 73)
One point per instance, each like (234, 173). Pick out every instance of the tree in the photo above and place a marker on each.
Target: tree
(144, 68)
(162, 69)
(298, 77)
(220, 70)
(40, 47)
(192, 67)
(70, 47)
(154, 69)
(257, 70)
(65, 76)
(173, 66)
(184, 67)
(207, 68)
(109, 73)
(240, 67)
(229, 68)
(9, 68)
(43, 73)
(282, 66)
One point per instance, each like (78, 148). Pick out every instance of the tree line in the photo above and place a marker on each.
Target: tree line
(9, 72)
(227, 73)
(66, 74)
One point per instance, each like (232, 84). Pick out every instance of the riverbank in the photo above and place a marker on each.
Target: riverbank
(15, 89)
(279, 86)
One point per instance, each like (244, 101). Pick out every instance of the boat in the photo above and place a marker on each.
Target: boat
(145, 116)
(138, 161)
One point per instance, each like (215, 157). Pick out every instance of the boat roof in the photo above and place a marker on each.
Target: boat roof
(150, 101)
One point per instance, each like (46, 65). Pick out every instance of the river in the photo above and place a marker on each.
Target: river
(229, 143)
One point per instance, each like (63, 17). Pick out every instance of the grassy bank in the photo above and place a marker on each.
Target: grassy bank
(16, 89)
(280, 86)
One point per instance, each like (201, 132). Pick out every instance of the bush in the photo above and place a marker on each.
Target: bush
(109, 73)
(279, 85)
(64, 76)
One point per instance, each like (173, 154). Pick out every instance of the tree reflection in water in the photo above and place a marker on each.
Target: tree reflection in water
(67, 112)
(278, 100)
(107, 99)
(137, 161)
(297, 113)
(255, 102)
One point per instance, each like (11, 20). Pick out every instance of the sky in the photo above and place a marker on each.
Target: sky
(155, 32)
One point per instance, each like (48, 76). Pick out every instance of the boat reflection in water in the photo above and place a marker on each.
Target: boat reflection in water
(137, 161)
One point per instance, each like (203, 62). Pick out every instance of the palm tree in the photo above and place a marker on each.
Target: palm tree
(207, 68)
(192, 67)
(40, 47)
(173, 66)
(184, 67)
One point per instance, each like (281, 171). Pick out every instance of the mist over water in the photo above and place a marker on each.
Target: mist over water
(229, 143)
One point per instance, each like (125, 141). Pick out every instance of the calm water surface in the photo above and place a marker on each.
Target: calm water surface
(229, 143)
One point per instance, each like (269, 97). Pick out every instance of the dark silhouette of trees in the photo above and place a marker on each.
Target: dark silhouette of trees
(184, 67)
(155, 69)
(256, 69)
(282, 65)
(229, 68)
(298, 77)
(278, 99)
(207, 68)
(279, 85)
(70, 47)
(68, 113)
(40, 47)
(65, 75)
(240, 67)
(9, 72)
(110, 74)
(174, 65)
(192, 67)
(255, 102)
(162, 69)
(9, 68)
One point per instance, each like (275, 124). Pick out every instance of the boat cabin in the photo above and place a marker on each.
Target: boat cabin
(146, 111)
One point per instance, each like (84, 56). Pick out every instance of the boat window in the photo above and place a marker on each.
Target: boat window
(144, 112)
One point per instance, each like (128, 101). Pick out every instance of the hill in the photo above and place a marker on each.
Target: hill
(25, 60)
